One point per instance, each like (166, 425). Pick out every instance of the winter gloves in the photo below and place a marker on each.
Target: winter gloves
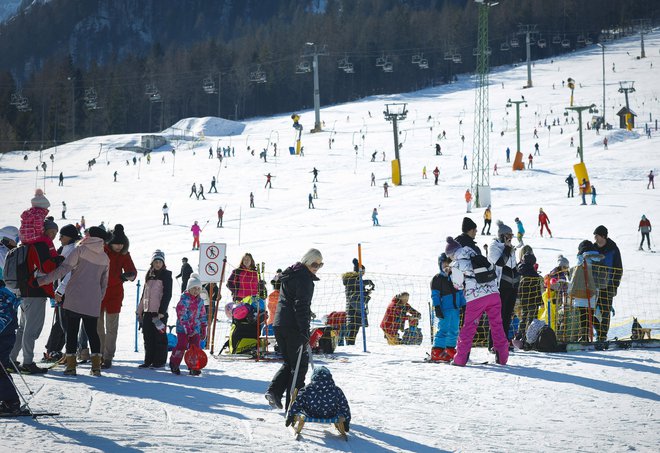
(438, 313)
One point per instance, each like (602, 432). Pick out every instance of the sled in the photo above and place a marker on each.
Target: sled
(300, 420)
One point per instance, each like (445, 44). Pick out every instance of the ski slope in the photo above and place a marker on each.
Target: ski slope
(587, 401)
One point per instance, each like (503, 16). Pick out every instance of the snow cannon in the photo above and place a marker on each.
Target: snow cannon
(518, 163)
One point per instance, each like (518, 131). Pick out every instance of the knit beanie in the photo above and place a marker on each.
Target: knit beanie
(585, 246)
(9, 232)
(321, 372)
(503, 230)
(443, 258)
(468, 224)
(356, 265)
(158, 255)
(40, 200)
(562, 261)
(601, 231)
(49, 224)
(97, 232)
(452, 246)
(71, 232)
(118, 236)
(193, 282)
(529, 259)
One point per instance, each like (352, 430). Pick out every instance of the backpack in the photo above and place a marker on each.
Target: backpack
(484, 271)
(546, 341)
(15, 272)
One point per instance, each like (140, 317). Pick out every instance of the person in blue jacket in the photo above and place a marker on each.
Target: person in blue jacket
(9, 303)
(447, 301)
(321, 398)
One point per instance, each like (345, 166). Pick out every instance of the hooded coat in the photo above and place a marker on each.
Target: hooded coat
(294, 306)
(121, 267)
(321, 398)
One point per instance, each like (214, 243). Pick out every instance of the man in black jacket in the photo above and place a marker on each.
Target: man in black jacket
(466, 239)
(291, 325)
(613, 266)
(186, 270)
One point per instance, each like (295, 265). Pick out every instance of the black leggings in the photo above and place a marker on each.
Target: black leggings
(73, 324)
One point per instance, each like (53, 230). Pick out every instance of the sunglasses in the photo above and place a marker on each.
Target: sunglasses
(316, 265)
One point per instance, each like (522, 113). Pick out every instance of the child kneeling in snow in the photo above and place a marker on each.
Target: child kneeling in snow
(321, 398)
(397, 313)
(190, 323)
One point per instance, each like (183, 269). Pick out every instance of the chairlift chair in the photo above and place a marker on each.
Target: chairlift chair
(541, 43)
(556, 39)
(457, 58)
(303, 67)
(388, 67)
(209, 86)
(341, 63)
(505, 47)
(489, 51)
(155, 97)
(449, 55)
(588, 41)
(580, 39)
(381, 61)
(258, 76)
(515, 43)
(348, 69)
(423, 63)
(565, 43)
(416, 58)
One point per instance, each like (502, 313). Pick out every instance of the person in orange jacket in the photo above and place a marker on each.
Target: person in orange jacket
(468, 200)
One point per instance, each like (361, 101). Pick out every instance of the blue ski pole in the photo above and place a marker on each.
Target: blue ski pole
(137, 324)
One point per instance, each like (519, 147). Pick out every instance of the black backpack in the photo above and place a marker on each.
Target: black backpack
(547, 340)
(15, 273)
(484, 271)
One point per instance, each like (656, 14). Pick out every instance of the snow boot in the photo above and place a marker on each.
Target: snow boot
(436, 353)
(96, 365)
(106, 364)
(71, 364)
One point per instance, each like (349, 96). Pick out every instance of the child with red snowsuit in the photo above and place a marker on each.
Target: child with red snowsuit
(191, 323)
(32, 223)
(544, 221)
(481, 298)
(397, 313)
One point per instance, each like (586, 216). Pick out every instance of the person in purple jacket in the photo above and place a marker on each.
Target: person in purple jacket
(191, 323)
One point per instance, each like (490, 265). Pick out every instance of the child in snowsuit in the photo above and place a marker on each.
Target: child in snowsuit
(321, 398)
(32, 222)
(191, 323)
(529, 292)
(521, 232)
(397, 313)
(447, 301)
(480, 298)
(583, 288)
(9, 402)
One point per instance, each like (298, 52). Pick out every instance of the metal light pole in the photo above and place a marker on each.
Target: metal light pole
(579, 109)
(73, 107)
(394, 113)
(603, 53)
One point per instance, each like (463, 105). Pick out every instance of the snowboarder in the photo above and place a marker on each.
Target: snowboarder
(468, 200)
(651, 183)
(570, 183)
(374, 217)
(196, 229)
(310, 204)
(438, 150)
(166, 214)
(508, 154)
(268, 181)
(373, 156)
(221, 213)
(213, 188)
(61, 183)
(521, 232)
(201, 192)
(465, 167)
(315, 172)
(251, 200)
(645, 229)
(436, 174)
(544, 221)
(64, 210)
(193, 191)
(385, 187)
(487, 221)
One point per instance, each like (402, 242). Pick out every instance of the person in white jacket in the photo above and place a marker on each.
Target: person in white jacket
(502, 254)
(481, 298)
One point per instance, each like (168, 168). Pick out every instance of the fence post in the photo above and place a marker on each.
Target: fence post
(137, 305)
(364, 333)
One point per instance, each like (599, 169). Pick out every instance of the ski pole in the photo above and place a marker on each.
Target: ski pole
(215, 310)
(137, 306)
(21, 376)
(25, 403)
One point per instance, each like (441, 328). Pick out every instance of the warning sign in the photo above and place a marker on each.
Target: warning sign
(211, 256)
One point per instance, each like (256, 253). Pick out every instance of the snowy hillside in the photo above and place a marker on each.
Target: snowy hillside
(588, 401)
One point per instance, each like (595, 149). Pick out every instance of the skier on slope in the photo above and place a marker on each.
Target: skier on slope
(645, 229)
(544, 221)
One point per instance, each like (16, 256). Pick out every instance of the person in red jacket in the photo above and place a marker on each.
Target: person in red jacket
(544, 221)
(397, 313)
(121, 270)
(244, 281)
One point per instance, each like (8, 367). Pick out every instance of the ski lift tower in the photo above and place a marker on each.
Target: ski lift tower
(314, 51)
(480, 181)
(395, 112)
(529, 31)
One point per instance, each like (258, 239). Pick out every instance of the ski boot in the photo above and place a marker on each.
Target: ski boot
(436, 354)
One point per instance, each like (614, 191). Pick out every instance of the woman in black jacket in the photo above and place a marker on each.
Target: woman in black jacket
(291, 325)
